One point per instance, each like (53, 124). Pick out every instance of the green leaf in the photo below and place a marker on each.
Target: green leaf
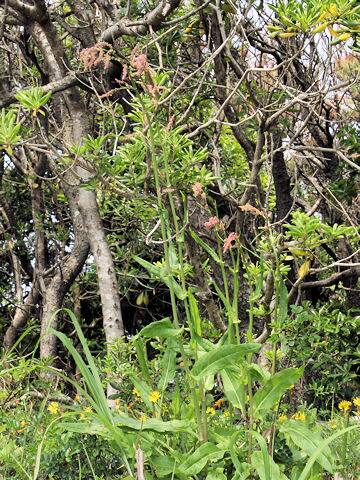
(144, 390)
(263, 463)
(267, 396)
(322, 447)
(309, 442)
(163, 329)
(282, 307)
(141, 354)
(266, 470)
(198, 459)
(206, 247)
(222, 357)
(194, 314)
(164, 465)
(168, 365)
(158, 273)
(154, 424)
(216, 474)
(234, 388)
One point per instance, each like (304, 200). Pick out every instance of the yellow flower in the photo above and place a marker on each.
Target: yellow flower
(23, 424)
(53, 408)
(86, 410)
(333, 424)
(77, 398)
(333, 10)
(226, 413)
(154, 396)
(219, 402)
(356, 401)
(299, 416)
(282, 418)
(143, 418)
(136, 392)
(211, 411)
(344, 405)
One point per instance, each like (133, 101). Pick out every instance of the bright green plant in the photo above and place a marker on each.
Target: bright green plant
(9, 130)
(33, 100)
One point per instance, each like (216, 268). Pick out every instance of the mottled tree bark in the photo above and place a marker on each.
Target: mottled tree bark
(76, 123)
(64, 276)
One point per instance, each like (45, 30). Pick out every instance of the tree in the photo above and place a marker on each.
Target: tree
(109, 110)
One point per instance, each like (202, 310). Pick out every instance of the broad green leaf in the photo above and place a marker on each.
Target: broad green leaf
(258, 373)
(93, 428)
(168, 365)
(164, 465)
(198, 459)
(194, 314)
(206, 247)
(141, 354)
(263, 463)
(163, 329)
(266, 469)
(154, 424)
(234, 388)
(205, 344)
(321, 447)
(309, 442)
(267, 396)
(222, 357)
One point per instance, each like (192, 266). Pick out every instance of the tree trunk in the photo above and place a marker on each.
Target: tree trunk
(61, 281)
(76, 124)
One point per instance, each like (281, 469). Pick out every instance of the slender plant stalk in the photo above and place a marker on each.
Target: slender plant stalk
(166, 239)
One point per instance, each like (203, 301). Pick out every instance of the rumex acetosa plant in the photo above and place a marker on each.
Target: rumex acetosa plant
(202, 407)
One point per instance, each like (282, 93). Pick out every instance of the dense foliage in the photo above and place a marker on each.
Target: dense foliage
(179, 239)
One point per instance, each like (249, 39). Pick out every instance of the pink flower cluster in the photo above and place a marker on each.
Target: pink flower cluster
(99, 53)
(212, 223)
(197, 189)
(232, 237)
(140, 63)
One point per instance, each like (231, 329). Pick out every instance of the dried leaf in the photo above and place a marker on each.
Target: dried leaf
(304, 269)
(249, 208)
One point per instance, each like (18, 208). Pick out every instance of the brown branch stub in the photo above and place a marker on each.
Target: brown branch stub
(332, 280)
(154, 18)
(57, 86)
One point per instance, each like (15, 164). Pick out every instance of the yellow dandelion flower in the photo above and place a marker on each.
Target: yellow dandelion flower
(85, 412)
(333, 424)
(53, 408)
(211, 411)
(154, 396)
(23, 424)
(136, 392)
(356, 401)
(344, 405)
(300, 416)
(143, 418)
(218, 403)
(282, 418)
